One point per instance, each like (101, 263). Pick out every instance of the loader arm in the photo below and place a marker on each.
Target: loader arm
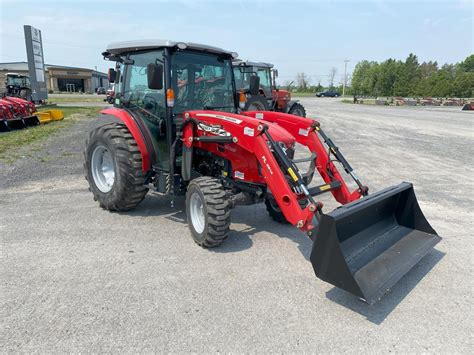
(306, 132)
(283, 194)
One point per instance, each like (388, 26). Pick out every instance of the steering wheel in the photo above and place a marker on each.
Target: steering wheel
(150, 103)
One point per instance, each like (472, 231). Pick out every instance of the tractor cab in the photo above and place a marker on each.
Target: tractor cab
(243, 71)
(268, 97)
(158, 80)
(18, 85)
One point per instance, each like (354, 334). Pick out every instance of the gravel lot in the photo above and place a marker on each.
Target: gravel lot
(77, 278)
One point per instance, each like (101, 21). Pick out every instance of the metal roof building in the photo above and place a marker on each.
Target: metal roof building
(60, 77)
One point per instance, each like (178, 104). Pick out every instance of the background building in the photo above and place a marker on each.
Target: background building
(61, 78)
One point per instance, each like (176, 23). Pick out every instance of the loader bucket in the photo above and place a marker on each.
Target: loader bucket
(4, 126)
(55, 114)
(44, 117)
(366, 246)
(31, 120)
(16, 123)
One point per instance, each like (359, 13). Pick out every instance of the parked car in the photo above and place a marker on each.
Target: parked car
(328, 93)
(101, 91)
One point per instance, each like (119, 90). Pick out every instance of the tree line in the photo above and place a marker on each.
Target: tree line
(409, 78)
(393, 77)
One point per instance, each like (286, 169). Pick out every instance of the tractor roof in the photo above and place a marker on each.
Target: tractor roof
(117, 48)
(17, 75)
(252, 64)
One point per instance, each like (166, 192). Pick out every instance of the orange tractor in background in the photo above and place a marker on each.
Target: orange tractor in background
(269, 97)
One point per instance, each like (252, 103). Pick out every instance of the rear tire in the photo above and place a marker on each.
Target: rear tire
(208, 211)
(298, 110)
(256, 103)
(274, 211)
(113, 166)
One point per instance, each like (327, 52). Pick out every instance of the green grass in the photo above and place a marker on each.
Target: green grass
(56, 99)
(11, 142)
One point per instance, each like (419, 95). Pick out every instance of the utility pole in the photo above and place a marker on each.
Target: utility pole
(345, 77)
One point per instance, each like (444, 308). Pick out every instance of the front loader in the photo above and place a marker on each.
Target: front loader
(178, 130)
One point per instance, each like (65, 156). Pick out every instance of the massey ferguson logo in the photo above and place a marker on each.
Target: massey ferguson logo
(217, 130)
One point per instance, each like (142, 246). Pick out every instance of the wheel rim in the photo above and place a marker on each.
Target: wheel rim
(298, 112)
(196, 209)
(103, 169)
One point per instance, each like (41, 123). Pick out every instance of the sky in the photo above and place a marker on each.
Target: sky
(296, 36)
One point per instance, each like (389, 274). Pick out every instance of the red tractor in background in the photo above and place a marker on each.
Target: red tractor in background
(177, 130)
(17, 113)
(269, 97)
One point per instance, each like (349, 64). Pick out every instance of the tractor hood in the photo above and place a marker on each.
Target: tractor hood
(280, 134)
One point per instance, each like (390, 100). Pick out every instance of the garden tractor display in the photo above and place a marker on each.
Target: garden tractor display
(266, 97)
(178, 130)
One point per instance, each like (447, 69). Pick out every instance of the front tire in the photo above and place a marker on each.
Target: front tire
(208, 211)
(297, 110)
(113, 166)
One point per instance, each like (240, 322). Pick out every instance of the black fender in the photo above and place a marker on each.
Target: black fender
(290, 104)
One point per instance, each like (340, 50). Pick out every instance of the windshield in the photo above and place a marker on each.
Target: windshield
(242, 78)
(17, 81)
(202, 81)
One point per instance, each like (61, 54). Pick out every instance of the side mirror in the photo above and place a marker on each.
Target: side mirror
(155, 76)
(275, 72)
(112, 74)
(254, 85)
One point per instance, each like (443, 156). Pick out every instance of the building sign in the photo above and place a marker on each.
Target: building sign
(34, 52)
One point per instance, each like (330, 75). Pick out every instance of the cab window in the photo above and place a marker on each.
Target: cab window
(147, 103)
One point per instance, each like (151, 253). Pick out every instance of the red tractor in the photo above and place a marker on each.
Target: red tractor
(6, 116)
(17, 113)
(178, 130)
(267, 97)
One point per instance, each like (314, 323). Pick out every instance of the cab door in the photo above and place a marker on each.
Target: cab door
(147, 104)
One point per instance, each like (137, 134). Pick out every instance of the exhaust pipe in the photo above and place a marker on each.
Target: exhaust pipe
(366, 246)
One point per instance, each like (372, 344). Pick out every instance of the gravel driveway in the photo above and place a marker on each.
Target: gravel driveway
(77, 278)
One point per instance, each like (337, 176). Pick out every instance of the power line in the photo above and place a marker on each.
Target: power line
(345, 76)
